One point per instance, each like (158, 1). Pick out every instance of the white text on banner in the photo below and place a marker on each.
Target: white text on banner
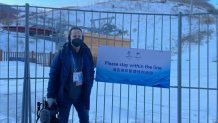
(133, 66)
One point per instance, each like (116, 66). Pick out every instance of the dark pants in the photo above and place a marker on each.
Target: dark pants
(64, 110)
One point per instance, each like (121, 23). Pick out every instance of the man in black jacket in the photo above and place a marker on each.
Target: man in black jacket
(71, 78)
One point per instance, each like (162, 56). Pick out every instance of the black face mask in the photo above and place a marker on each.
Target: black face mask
(77, 42)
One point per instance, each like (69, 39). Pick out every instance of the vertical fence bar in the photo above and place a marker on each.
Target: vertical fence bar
(107, 33)
(97, 82)
(59, 28)
(179, 94)
(105, 82)
(26, 107)
(43, 54)
(152, 109)
(27, 65)
(91, 35)
(96, 106)
(189, 68)
(199, 66)
(208, 111)
(84, 21)
(8, 82)
(104, 101)
(36, 10)
(144, 104)
(36, 53)
(217, 69)
(16, 64)
(146, 34)
(1, 55)
(122, 27)
(68, 19)
(52, 35)
(161, 50)
(129, 85)
(146, 31)
(136, 85)
(76, 18)
(121, 84)
(84, 24)
(170, 37)
(112, 105)
(208, 64)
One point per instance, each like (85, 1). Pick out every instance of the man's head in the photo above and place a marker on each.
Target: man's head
(75, 36)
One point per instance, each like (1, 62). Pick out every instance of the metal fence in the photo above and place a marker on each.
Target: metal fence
(33, 57)
(192, 40)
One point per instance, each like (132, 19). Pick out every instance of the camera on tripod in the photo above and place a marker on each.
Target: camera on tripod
(47, 114)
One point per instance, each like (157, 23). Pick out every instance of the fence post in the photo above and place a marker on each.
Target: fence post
(0, 55)
(50, 58)
(179, 65)
(217, 68)
(6, 55)
(32, 56)
(26, 100)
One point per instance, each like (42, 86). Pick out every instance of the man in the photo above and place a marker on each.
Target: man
(71, 78)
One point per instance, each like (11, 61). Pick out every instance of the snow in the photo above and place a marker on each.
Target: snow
(169, 7)
(18, 39)
(15, 92)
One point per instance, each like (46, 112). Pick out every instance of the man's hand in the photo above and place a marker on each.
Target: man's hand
(51, 101)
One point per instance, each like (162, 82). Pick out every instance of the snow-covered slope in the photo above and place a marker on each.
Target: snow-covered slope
(145, 31)
(144, 6)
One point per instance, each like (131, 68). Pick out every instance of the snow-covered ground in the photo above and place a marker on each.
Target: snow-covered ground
(12, 90)
(136, 103)
(12, 42)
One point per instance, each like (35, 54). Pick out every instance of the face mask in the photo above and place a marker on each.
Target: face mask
(76, 42)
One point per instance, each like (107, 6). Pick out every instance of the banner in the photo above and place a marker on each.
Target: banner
(133, 66)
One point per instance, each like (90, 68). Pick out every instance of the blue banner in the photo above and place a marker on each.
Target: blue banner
(133, 66)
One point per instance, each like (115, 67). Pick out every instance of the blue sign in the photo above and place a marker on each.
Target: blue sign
(133, 66)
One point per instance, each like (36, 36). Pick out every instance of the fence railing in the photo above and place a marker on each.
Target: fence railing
(38, 58)
(192, 96)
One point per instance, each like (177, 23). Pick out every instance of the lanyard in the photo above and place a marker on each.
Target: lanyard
(76, 66)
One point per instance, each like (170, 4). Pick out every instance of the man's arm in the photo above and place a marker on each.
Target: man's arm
(54, 75)
(88, 72)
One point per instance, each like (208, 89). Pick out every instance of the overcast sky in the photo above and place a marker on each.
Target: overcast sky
(51, 3)
(63, 3)
(214, 2)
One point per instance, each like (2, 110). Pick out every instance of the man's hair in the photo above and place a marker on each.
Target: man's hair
(75, 28)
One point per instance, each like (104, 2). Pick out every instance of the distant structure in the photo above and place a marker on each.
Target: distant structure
(105, 27)
(92, 39)
(102, 31)
(33, 31)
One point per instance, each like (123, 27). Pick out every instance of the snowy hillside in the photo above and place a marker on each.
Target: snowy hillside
(130, 24)
(144, 6)
(155, 30)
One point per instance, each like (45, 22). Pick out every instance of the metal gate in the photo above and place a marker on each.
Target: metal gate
(192, 40)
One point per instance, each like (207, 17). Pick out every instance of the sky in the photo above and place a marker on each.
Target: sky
(63, 3)
(214, 2)
(51, 3)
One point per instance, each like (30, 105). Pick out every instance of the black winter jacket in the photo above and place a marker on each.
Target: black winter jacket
(60, 68)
